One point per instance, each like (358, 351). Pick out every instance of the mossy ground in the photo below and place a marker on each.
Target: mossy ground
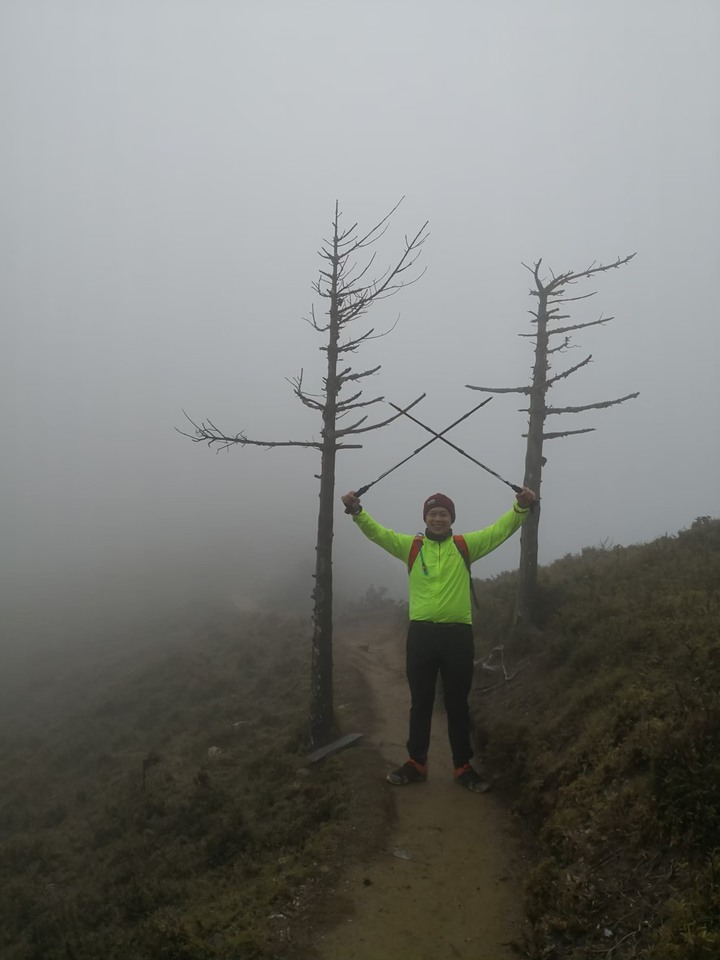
(608, 743)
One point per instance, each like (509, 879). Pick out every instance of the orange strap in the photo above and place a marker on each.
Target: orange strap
(459, 542)
(418, 541)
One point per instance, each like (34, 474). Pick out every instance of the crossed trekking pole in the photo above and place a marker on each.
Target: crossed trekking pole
(437, 436)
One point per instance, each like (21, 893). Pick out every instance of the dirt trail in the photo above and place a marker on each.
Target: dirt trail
(448, 884)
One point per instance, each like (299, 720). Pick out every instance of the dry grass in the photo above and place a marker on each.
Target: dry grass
(608, 745)
(159, 804)
(156, 801)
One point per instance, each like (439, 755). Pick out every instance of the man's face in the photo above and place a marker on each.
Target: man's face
(438, 520)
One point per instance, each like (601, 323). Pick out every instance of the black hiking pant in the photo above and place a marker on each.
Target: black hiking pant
(447, 649)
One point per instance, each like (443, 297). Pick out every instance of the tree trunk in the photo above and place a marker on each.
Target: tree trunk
(322, 720)
(528, 568)
(527, 583)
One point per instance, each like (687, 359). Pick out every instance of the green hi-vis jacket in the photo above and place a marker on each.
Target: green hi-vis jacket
(440, 586)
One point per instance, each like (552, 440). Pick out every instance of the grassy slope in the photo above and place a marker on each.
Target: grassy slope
(608, 740)
(123, 834)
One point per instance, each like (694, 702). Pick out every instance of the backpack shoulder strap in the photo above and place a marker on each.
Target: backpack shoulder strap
(463, 548)
(415, 549)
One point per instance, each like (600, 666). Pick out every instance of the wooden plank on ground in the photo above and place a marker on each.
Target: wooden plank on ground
(335, 747)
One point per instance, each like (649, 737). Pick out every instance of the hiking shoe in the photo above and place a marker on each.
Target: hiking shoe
(469, 778)
(409, 772)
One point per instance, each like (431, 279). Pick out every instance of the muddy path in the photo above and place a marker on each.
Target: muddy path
(448, 885)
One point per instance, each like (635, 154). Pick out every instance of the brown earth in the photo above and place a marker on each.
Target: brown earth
(446, 881)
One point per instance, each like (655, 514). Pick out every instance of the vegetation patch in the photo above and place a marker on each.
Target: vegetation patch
(607, 742)
(160, 805)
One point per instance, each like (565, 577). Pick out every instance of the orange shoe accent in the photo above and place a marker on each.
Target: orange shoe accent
(420, 767)
(410, 772)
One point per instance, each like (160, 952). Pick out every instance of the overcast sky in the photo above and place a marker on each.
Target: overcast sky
(169, 171)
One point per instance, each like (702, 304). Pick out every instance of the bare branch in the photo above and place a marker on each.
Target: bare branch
(349, 403)
(381, 292)
(355, 299)
(358, 376)
(313, 322)
(561, 376)
(354, 406)
(349, 288)
(578, 326)
(525, 390)
(600, 268)
(403, 264)
(309, 399)
(384, 423)
(372, 235)
(207, 432)
(573, 276)
(344, 238)
(565, 433)
(575, 326)
(565, 345)
(351, 345)
(297, 384)
(534, 270)
(584, 296)
(592, 406)
(351, 429)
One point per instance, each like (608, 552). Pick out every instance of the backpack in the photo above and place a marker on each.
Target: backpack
(462, 547)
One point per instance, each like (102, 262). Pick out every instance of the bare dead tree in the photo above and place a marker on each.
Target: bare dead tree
(344, 282)
(550, 295)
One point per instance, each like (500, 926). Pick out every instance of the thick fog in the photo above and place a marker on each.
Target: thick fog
(169, 171)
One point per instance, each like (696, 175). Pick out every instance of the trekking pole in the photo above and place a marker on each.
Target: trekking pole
(439, 436)
(436, 436)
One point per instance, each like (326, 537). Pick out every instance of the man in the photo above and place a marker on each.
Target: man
(440, 637)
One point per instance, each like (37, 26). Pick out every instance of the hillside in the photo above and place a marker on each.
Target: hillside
(607, 742)
(156, 800)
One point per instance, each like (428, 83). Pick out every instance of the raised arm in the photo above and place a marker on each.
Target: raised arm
(396, 544)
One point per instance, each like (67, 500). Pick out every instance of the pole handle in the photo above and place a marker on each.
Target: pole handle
(535, 502)
(359, 492)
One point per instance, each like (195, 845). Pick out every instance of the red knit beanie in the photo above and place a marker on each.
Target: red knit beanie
(439, 500)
